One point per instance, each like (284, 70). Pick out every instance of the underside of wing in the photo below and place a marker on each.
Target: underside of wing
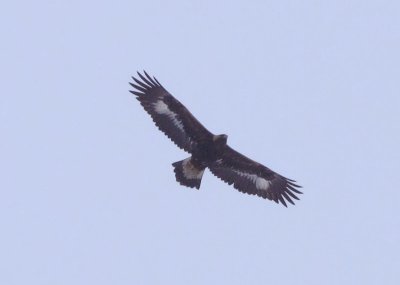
(169, 115)
(253, 178)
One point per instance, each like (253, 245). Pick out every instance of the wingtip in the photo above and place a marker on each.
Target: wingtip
(159, 84)
(137, 87)
(292, 188)
(151, 81)
(282, 201)
(136, 93)
(149, 78)
(286, 196)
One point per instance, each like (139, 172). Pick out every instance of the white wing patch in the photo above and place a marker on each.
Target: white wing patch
(261, 183)
(190, 171)
(161, 108)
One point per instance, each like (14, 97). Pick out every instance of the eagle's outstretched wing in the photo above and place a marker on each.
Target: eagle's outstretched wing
(253, 178)
(168, 113)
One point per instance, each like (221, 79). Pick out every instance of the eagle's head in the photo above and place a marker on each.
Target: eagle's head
(220, 139)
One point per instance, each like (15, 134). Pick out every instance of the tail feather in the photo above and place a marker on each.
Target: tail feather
(187, 173)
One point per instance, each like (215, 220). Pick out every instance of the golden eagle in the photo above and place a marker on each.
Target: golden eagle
(208, 150)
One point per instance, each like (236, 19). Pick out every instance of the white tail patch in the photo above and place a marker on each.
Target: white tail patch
(161, 108)
(260, 183)
(190, 171)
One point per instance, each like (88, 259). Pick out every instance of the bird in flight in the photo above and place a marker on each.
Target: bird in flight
(208, 150)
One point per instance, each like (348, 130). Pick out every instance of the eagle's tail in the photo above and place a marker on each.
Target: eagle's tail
(187, 173)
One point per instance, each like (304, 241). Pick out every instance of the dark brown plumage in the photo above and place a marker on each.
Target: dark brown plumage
(208, 150)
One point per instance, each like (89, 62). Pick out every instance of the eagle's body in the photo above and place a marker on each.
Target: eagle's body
(208, 150)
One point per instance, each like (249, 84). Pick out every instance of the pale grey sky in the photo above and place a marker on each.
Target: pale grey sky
(308, 88)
